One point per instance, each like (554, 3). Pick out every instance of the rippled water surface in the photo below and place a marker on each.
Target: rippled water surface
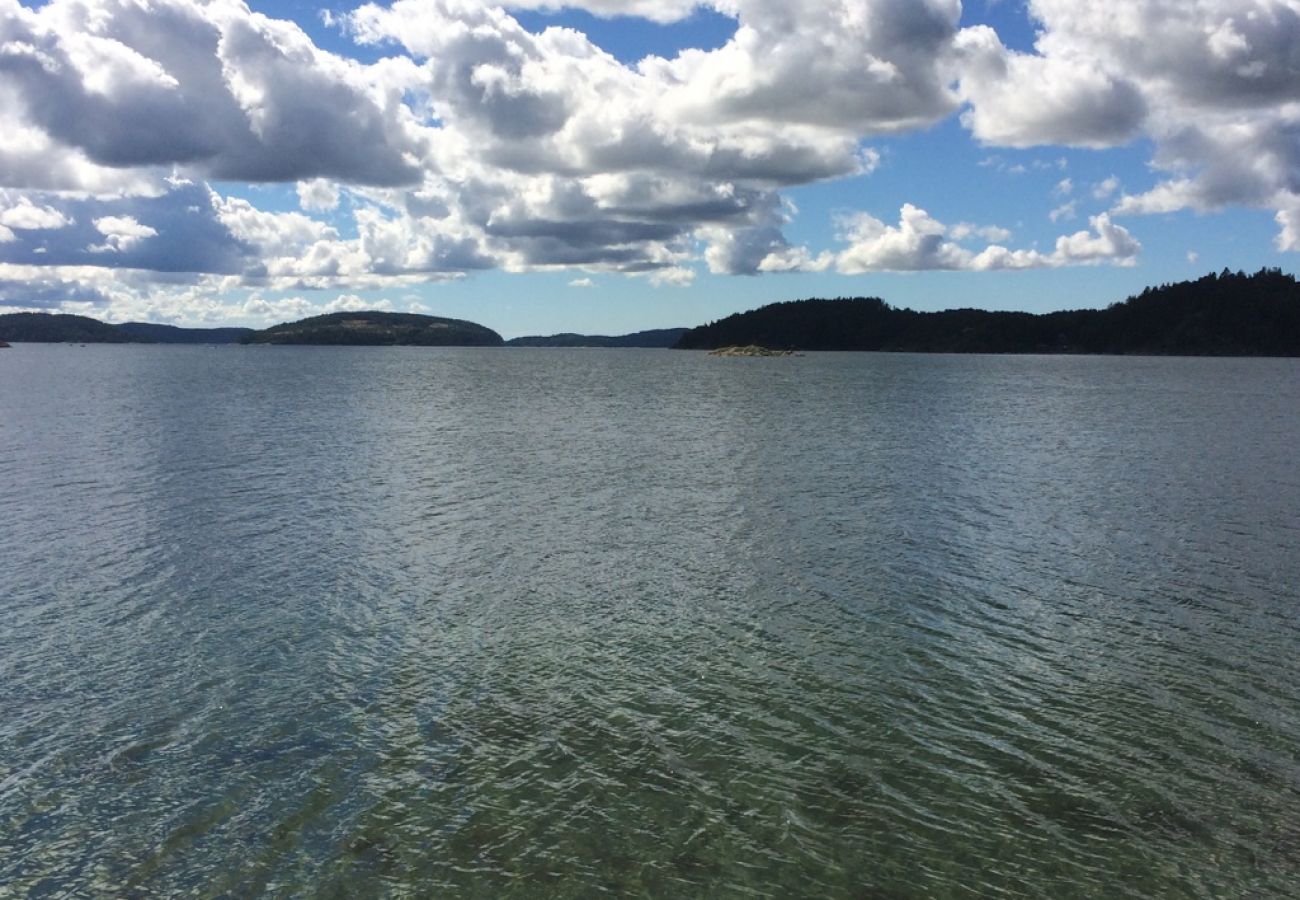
(493, 623)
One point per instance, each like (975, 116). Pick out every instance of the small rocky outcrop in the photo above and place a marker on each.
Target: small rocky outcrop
(749, 350)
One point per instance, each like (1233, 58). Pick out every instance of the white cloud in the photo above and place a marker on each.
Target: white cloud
(121, 233)
(353, 303)
(273, 234)
(213, 88)
(654, 10)
(1288, 220)
(280, 309)
(1106, 242)
(318, 195)
(1167, 197)
(1215, 84)
(582, 283)
(918, 243)
(1064, 212)
(673, 276)
(27, 216)
(1023, 100)
(965, 230)
(1107, 188)
(871, 66)
(922, 243)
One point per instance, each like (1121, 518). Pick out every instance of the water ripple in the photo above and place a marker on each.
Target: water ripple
(486, 623)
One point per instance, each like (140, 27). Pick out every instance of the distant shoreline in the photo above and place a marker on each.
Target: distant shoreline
(1225, 314)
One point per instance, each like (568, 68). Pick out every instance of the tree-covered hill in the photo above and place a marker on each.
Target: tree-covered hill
(373, 328)
(61, 328)
(58, 328)
(1219, 315)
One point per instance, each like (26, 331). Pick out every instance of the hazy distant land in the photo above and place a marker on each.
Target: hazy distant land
(655, 338)
(148, 332)
(1225, 314)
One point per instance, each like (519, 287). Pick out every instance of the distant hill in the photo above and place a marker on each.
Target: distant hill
(171, 334)
(58, 328)
(373, 328)
(655, 338)
(1219, 315)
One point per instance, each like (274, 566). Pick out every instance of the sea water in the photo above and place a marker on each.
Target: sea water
(380, 622)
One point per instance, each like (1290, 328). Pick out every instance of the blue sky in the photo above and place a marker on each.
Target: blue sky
(543, 169)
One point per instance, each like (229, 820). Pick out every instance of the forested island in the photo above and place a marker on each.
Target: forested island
(373, 328)
(59, 328)
(1228, 314)
(63, 328)
(655, 338)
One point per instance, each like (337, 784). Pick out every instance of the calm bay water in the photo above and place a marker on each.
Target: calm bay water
(487, 623)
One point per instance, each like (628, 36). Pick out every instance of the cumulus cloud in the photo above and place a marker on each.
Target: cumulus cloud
(242, 96)
(869, 67)
(919, 242)
(27, 216)
(1214, 84)
(318, 195)
(353, 303)
(1288, 219)
(1022, 100)
(120, 233)
(1105, 243)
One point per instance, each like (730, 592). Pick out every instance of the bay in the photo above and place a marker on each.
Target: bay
(546, 623)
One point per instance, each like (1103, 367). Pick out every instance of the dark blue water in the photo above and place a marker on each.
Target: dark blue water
(487, 623)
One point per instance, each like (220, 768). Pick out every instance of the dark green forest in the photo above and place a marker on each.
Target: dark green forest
(62, 328)
(1228, 314)
(378, 329)
(59, 328)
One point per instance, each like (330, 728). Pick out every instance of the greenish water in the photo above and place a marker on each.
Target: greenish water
(492, 623)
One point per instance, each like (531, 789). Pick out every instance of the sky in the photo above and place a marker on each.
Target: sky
(606, 166)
